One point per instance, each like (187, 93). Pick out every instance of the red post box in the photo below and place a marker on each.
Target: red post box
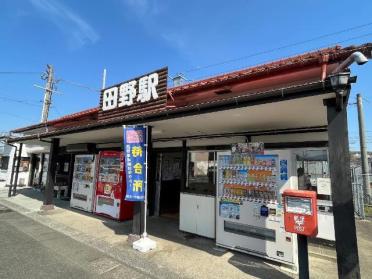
(300, 212)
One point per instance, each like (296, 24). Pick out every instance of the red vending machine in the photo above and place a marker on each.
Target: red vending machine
(111, 188)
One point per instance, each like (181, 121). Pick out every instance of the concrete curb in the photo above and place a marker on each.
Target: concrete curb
(125, 255)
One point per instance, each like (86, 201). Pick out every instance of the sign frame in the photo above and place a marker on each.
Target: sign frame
(137, 107)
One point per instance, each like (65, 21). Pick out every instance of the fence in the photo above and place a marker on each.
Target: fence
(359, 196)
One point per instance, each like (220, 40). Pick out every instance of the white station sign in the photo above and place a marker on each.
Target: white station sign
(135, 91)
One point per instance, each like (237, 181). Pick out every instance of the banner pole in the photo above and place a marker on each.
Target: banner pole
(145, 244)
(145, 209)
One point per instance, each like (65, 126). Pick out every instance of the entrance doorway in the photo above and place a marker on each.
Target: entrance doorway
(168, 184)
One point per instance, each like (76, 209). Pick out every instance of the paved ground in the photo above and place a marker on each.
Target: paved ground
(178, 255)
(31, 250)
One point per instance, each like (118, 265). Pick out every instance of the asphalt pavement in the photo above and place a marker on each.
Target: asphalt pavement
(31, 250)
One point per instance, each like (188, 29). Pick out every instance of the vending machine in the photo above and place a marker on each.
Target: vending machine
(83, 182)
(111, 188)
(249, 209)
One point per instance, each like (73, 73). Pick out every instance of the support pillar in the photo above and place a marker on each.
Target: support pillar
(184, 165)
(32, 168)
(19, 157)
(70, 175)
(342, 195)
(49, 187)
(12, 173)
(42, 160)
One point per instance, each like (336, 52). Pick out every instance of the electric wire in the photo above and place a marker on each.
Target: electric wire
(17, 116)
(19, 72)
(19, 101)
(271, 60)
(79, 85)
(280, 48)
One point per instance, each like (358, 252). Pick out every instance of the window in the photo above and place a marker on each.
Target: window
(24, 164)
(4, 162)
(201, 172)
(311, 165)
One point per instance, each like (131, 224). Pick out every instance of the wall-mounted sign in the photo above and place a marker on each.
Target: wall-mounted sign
(132, 95)
(248, 148)
(323, 186)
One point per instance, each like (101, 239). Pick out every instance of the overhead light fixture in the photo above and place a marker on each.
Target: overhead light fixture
(339, 83)
(339, 80)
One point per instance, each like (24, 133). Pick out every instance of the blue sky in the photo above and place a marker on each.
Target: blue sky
(132, 37)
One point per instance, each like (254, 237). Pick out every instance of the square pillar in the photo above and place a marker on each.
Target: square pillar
(32, 168)
(342, 195)
(184, 165)
(42, 160)
(19, 157)
(49, 185)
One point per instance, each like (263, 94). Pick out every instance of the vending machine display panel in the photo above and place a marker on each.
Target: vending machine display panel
(249, 208)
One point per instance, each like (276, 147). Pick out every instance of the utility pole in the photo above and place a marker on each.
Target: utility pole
(363, 151)
(48, 93)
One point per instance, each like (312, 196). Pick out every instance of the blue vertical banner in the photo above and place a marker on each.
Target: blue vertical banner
(135, 151)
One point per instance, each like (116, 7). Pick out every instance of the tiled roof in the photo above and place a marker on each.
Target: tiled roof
(332, 54)
(75, 115)
(328, 55)
(69, 117)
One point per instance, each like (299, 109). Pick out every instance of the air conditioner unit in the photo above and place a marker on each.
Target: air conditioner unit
(81, 148)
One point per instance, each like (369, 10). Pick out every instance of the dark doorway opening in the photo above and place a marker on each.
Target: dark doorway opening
(168, 184)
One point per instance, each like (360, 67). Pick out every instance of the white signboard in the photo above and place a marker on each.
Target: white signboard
(135, 91)
(323, 186)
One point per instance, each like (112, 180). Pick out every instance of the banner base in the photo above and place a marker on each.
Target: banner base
(144, 244)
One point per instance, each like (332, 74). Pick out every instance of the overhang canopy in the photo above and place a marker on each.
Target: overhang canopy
(302, 114)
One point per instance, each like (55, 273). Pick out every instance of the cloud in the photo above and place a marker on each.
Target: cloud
(151, 15)
(175, 39)
(143, 7)
(69, 22)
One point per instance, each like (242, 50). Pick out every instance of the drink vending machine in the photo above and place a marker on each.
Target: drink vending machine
(83, 182)
(249, 209)
(111, 187)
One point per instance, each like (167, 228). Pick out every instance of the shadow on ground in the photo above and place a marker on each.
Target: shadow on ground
(167, 229)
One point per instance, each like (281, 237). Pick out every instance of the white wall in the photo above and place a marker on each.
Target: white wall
(27, 150)
(5, 150)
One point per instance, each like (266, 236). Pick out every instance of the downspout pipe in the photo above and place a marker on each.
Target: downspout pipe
(340, 79)
(356, 57)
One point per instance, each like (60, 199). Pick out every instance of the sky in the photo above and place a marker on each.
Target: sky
(133, 37)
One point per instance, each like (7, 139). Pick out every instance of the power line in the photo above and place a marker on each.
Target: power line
(79, 85)
(270, 60)
(57, 110)
(23, 102)
(279, 48)
(18, 73)
(16, 116)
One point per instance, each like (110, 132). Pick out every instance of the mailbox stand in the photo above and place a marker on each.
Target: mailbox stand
(303, 257)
